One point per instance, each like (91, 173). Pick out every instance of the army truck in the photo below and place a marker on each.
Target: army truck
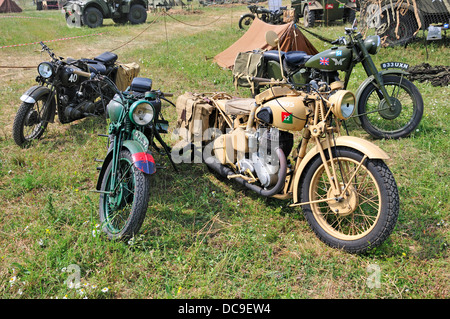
(325, 11)
(92, 12)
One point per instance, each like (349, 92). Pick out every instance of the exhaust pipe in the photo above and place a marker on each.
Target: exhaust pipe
(225, 171)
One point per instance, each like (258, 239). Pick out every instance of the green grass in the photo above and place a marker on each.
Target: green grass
(202, 237)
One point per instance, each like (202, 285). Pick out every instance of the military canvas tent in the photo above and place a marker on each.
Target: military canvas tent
(291, 39)
(7, 6)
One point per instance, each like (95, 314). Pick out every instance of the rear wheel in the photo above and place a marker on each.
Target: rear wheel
(364, 216)
(93, 17)
(245, 21)
(123, 206)
(137, 14)
(309, 17)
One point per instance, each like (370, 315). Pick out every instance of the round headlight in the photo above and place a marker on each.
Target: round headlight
(342, 104)
(115, 108)
(141, 112)
(45, 69)
(372, 43)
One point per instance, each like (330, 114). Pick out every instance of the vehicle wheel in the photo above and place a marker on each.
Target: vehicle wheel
(392, 34)
(309, 17)
(122, 212)
(31, 121)
(245, 21)
(92, 17)
(120, 20)
(349, 15)
(401, 119)
(365, 216)
(137, 14)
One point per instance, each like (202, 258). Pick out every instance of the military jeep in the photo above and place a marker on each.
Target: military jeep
(325, 11)
(92, 12)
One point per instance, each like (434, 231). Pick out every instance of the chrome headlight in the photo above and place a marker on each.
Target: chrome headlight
(372, 44)
(45, 69)
(141, 112)
(342, 104)
(115, 108)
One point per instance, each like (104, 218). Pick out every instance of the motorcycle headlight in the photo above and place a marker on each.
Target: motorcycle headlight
(45, 69)
(141, 112)
(372, 43)
(115, 108)
(342, 104)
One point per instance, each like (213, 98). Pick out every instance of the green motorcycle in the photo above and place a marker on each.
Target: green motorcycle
(124, 179)
(388, 105)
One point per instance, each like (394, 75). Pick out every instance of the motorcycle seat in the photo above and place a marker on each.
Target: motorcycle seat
(296, 57)
(238, 106)
(272, 55)
(106, 58)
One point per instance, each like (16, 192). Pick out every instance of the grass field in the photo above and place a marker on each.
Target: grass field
(202, 238)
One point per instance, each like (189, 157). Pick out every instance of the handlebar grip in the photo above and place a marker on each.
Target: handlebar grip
(168, 94)
(82, 73)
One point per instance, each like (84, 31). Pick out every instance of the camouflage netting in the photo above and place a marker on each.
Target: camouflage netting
(398, 21)
(437, 75)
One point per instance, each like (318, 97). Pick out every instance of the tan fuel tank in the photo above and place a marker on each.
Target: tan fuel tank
(286, 113)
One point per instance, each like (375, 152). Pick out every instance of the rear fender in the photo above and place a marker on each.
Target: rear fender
(367, 148)
(34, 93)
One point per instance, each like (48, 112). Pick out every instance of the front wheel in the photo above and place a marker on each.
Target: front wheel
(93, 17)
(245, 21)
(365, 215)
(123, 205)
(309, 17)
(399, 120)
(31, 121)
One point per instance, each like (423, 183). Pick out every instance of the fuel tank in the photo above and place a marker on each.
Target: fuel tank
(286, 113)
(336, 58)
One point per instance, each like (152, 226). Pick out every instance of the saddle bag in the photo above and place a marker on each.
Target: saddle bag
(125, 74)
(193, 111)
(247, 65)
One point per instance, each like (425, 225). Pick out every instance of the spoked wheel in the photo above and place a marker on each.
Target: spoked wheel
(399, 120)
(123, 206)
(31, 121)
(245, 21)
(365, 215)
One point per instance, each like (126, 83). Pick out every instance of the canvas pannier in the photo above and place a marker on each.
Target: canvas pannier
(125, 74)
(248, 64)
(193, 111)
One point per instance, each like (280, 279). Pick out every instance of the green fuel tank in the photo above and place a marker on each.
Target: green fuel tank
(334, 59)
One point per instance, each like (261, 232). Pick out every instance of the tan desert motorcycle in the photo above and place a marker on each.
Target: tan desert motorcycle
(347, 192)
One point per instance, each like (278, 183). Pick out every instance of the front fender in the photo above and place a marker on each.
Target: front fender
(142, 160)
(371, 78)
(367, 148)
(34, 93)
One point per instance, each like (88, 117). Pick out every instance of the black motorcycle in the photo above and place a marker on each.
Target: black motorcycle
(263, 14)
(63, 92)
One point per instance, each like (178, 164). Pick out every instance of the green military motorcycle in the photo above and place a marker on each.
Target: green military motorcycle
(124, 179)
(388, 105)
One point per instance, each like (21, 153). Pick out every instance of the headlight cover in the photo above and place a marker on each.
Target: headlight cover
(342, 104)
(141, 112)
(45, 69)
(115, 108)
(372, 44)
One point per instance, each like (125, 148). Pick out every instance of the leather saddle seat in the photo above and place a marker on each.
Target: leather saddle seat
(236, 106)
(107, 58)
(292, 58)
